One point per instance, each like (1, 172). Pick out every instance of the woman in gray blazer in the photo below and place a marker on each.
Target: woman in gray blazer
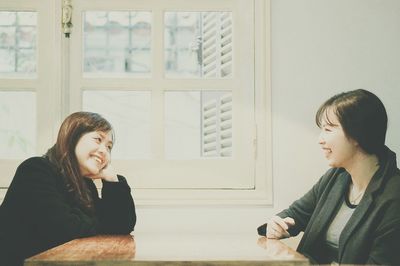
(352, 214)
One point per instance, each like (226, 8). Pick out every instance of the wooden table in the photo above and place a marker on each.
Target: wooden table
(160, 249)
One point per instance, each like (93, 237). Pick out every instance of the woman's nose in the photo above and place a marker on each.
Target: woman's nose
(321, 139)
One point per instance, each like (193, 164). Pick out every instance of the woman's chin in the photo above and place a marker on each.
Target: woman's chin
(331, 164)
(92, 174)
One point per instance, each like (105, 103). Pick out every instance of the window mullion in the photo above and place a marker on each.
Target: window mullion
(157, 90)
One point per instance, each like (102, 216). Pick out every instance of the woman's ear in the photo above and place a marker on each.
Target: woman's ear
(356, 144)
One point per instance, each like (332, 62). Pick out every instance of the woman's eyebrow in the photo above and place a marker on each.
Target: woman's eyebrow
(102, 134)
(329, 124)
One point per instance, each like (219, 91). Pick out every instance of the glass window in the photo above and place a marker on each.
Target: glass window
(198, 44)
(129, 114)
(18, 43)
(198, 124)
(117, 42)
(177, 82)
(18, 124)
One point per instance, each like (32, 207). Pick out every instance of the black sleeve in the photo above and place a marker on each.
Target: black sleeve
(386, 241)
(116, 208)
(302, 209)
(41, 198)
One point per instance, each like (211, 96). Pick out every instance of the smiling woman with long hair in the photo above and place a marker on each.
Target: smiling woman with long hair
(53, 199)
(352, 214)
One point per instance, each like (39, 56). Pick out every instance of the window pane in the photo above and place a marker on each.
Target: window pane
(7, 18)
(18, 43)
(117, 42)
(18, 124)
(198, 124)
(198, 44)
(7, 36)
(26, 18)
(129, 114)
(26, 37)
(25, 60)
(7, 60)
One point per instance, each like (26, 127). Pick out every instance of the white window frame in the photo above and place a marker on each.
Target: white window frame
(45, 83)
(62, 101)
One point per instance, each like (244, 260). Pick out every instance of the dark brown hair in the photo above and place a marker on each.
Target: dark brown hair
(362, 116)
(63, 156)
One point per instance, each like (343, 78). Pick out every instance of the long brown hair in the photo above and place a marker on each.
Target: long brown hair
(62, 154)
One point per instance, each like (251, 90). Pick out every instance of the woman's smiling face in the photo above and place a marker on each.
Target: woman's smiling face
(93, 152)
(338, 149)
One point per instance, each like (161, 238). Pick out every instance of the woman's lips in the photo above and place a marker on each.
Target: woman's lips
(327, 151)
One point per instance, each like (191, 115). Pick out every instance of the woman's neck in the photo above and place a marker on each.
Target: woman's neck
(362, 169)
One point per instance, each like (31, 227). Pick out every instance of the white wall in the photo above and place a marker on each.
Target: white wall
(319, 48)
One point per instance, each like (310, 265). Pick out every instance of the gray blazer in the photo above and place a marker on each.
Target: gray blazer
(371, 236)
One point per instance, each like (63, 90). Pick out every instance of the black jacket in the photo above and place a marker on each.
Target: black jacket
(371, 236)
(39, 213)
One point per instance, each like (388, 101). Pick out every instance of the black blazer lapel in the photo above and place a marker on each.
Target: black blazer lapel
(362, 208)
(327, 208)
(355, 219)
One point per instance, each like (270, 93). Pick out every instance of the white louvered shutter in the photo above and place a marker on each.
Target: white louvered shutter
(217, 127)
(217, 44)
